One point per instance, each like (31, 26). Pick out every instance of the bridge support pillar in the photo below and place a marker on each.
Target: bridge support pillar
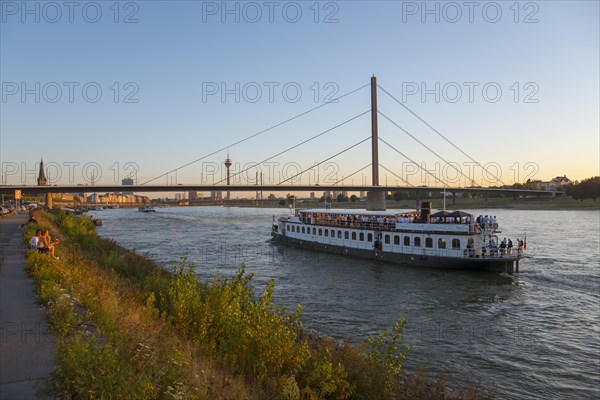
(376, 201)
(49, 200)
(417, 200)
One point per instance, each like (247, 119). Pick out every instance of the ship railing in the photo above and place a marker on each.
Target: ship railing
(350, 224)
(386, 226)
(490, 252)
(487, 227)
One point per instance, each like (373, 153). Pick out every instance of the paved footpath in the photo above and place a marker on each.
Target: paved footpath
(26, 348)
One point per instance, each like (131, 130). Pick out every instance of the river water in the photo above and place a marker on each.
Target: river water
(533, 335)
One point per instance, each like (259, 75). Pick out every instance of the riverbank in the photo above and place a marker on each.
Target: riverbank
(559, 203)
(128, 327)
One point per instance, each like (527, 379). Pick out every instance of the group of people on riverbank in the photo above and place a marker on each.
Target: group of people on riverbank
(42, 242)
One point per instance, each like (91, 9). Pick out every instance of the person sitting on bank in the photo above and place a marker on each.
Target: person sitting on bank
(47, 240)
(35, 239)
(32, 219)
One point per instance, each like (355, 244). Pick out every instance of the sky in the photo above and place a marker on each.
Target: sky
(105, 90)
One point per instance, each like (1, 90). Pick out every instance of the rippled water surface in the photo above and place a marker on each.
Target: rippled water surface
(533, 335)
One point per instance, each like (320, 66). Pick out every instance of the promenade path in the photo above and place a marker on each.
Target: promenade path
(26, 347)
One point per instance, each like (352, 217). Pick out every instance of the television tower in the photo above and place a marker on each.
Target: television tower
(228, 165)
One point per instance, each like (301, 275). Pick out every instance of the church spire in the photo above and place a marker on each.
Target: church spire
(42, 181)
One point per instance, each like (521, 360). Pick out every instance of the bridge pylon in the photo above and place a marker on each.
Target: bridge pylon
(375, 198)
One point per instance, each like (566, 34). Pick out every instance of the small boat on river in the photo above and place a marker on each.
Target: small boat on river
(146, 208)
(451, 240)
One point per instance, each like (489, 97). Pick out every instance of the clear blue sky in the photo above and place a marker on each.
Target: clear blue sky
(170, 61)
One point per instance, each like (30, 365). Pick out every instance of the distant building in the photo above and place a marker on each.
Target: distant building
(312, 195)
(193, 195)
(555, 184)
(41, 180)
(216, 195)
(113, 198)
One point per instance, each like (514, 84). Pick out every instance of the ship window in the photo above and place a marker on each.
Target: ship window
(441, 243)
(396, 239)
(456, 243)
(417, 241)
(387, 239)
(370, 237)
(326, 232)
(314, 231)
(362, 237)
(406, 240)
(346, 235)
(428, 242)
(339, 234)
(320, 232)
(353, 235)
(303, 231)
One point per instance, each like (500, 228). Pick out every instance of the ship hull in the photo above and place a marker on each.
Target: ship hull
(496, 264)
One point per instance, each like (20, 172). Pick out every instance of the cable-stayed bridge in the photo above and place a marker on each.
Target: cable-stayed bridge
(376, 192)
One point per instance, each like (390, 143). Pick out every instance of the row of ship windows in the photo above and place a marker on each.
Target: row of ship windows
(386, 238)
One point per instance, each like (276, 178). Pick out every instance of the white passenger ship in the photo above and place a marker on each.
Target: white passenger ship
(454, 240)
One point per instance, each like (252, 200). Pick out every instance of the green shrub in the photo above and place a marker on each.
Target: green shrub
(88, 369)
(324, 379)
(386, 353)
(253, 336)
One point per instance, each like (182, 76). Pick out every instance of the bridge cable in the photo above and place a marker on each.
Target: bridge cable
(354, 173)
(411, 160)
(258, 133)
(442, 136)
(396, 175)
(327, 159)
(296, 145)
(427, 147)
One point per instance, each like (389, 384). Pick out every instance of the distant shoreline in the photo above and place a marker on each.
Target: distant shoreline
(402, 205)
(563, 204)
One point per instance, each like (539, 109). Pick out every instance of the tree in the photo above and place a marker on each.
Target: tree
(353, 198)
(397, 196)
(341, 198)
(586, 189)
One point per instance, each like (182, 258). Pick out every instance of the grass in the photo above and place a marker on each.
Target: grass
(129, 329)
